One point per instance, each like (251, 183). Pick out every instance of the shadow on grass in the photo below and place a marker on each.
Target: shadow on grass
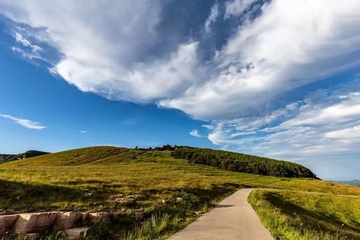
(27, 197)
(311, 220)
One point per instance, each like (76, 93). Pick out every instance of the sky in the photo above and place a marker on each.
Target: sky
(276, 78)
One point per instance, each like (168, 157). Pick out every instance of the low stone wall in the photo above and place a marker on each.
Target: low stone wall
(32, 223)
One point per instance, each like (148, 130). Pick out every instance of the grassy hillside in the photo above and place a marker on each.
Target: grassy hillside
(238, 162)
(89, 179)
(299, 215)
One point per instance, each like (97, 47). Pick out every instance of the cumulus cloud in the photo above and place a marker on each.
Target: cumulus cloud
(272, 49)
(237, 7)
(288, 44)
(195, 133)
(24, 122)
(293, 43)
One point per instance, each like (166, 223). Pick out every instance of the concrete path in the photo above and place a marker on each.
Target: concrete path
(231, 219)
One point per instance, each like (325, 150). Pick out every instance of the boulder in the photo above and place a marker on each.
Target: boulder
(67, 220)
(34, 222)
(7, 222)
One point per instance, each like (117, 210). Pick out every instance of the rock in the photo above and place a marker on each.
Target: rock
(179, 199)
(136, 197)
(34, 222)
(165, 201)
(198, 213)
(31, 236)
(7, 222)
(67, 220)
(88, 194)
(17, 198)
(75, 233)
(139, 216)
(104, 216)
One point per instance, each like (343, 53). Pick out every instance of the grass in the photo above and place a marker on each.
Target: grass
(59, 182)
(303, 216)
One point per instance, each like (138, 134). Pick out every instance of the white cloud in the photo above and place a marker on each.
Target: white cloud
(308, 132)
(237, 7)
(24, 122)
(195, 133)
(26, 54)
(83, 131)
(104, 51)
(347, 133)
(290, 44)
(19, 38)
(214, 12)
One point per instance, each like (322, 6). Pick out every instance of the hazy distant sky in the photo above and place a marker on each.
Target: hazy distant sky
(274, 78)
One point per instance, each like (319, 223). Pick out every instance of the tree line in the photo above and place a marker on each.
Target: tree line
(238, 162)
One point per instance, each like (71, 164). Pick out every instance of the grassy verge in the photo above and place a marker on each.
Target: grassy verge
(304, 216)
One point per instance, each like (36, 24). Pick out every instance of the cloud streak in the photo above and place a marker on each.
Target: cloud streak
(24, 122)
(195, 133)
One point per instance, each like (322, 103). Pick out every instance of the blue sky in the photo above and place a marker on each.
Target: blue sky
(274, 78)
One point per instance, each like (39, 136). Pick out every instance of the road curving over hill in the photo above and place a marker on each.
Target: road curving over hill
(231, 219)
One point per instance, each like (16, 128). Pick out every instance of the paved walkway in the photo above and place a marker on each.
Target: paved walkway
(231, 219)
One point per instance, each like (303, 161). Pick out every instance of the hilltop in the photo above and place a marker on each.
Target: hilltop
(151, 181)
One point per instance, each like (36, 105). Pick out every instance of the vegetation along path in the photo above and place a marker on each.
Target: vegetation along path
(231, 219)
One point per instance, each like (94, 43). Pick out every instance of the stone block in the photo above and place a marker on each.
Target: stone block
(7, 222)
(67, 220)
(35, 222)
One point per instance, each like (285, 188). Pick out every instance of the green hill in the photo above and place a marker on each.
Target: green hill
(28, 154)
(130, 180)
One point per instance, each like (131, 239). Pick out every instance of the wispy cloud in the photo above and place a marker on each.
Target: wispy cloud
(195, 133)
(24, 122)
(83, 131)
(212, 18)
(33, 47)
(310, 132)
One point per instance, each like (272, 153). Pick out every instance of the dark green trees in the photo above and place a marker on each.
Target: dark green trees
(238, 162)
